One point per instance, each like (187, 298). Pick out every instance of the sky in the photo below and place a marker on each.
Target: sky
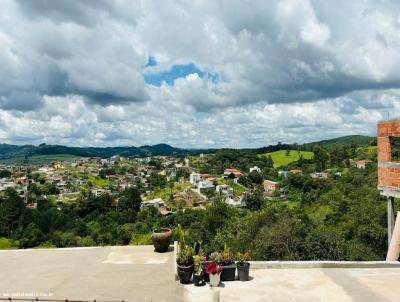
(196, 74)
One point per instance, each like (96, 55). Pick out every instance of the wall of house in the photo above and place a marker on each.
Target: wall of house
(388, 171)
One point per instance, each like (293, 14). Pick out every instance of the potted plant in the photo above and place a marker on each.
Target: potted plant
(161, 239)
(228, 265)
(198, 274)
(243, 265)
(213, 269)
(184, 262)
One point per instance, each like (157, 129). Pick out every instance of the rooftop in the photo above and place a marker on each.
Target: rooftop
(136, 273)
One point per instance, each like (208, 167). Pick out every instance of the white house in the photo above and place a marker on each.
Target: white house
(156, 203)
(255, 168)
(194, 178)
(205, 184)
(225, 189)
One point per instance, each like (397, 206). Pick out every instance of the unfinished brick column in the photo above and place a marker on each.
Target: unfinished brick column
(388, 170)
(389, 181)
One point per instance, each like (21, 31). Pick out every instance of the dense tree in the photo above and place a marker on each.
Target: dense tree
(130, 200)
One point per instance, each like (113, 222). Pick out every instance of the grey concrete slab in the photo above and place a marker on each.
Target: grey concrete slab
(308, 285)
(130, 273)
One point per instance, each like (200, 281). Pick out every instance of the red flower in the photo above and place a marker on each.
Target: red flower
(213, 268)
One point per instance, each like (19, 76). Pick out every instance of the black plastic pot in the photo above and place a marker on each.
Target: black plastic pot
(206, 276)
(243, 271)
(228, 272)
(198, 280)
(185, 273)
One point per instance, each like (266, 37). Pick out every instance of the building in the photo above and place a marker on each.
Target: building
(232, 171)
(270, 185)
(388, 161)
(225, 189)
(296, 171)
(156, 203)
(283, 173)
(255, 168)
(205, 184)
(320, 175)
(194, 178)
(360, 164)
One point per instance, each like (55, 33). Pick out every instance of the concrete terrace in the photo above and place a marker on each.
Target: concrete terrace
(136, 273)
(130, 273)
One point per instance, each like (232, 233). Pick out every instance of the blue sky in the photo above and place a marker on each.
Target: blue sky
(175, 72)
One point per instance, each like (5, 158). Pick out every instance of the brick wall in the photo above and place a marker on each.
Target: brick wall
(388, 171)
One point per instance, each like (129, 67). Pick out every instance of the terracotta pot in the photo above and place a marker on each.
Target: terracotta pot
(185, 273)
(215, 279)
(161, 239)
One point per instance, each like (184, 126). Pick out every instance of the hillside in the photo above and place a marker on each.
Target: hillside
(43, 152)
(281, 159)
(46, 153)
(344, 140)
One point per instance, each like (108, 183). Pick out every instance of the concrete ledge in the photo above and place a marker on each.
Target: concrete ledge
(174, 259)
(322, 264)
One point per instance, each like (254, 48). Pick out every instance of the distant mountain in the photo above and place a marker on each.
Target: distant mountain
(344, 140)
(15, 153)
(26, 151)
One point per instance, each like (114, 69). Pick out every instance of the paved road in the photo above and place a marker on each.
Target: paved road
(130, 273)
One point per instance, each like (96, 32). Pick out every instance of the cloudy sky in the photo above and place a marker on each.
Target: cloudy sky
(196, 73)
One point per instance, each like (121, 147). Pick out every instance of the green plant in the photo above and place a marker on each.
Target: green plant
(197, 265)
(242, 257)
(215, 256)
(185, 252)
(226, 256)
(185, 255)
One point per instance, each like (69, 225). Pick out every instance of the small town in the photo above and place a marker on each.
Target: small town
(166, 183)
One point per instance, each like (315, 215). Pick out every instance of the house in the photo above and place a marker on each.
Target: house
(283, 173)
(270, 185)
(237, 202)
(164, 211)
(205, 184)
(255, 168)
(225, 189)
(194, 178)
(156, 203)
(58, 165)
(296, 171)
(360, 164)
(70, 195)
(320, 175)
(98, 192)
(232, 171)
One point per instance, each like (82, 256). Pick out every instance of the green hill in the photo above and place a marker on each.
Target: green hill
(281, 159)
(344, 140)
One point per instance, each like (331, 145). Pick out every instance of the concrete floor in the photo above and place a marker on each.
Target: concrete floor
(130, 273)
(308, 285)
(137, 273)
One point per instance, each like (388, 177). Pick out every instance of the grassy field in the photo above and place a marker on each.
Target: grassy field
(40, 159)
(280, 159)
(98, 182)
